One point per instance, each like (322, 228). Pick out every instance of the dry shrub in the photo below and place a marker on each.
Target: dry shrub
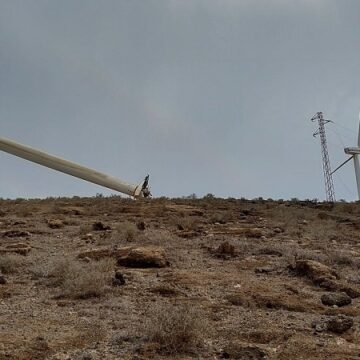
(127, 231)
(253, 233)
(165, 290)
(85, 334)
(354, 278)
(176, 328)
(225, 250)
(221, 218)
(269, 249)
(71, 222)
(307, 254)
(10, 263)
(85, 229)
(25, 211)
(81, 280)
(343, 258)
(185, 223)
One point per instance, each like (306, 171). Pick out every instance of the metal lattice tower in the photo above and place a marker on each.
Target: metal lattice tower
(329, 185)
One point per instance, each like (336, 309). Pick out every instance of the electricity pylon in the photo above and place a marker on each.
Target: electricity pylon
(329, 185)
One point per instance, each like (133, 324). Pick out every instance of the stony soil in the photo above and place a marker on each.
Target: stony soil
(263, 279)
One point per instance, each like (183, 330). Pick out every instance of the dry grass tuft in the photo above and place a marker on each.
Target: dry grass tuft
(10, 263)
(81, 280)
(225, 250)
(127, 231)
(176, 328)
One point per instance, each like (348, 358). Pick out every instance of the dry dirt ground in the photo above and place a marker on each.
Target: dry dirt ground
(112, 278)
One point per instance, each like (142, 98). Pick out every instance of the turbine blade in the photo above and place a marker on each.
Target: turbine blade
(359, 136)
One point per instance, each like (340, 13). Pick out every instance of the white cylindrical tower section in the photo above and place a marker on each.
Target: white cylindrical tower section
(71, 168)
(357, 173)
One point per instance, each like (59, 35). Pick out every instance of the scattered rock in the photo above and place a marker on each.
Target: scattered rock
(88, 236)
(319, 325)
(315, 271)
(131, 256)
(72, 210)
(238, 299)
(142, 257)
(337, 324)
(15, 233)
(250, 232)
(99, 226)
(264, 270)
(334, 285)
(253, 233)
(119, 279)
(349, 290)
(225, 250)
(165, 290)
(55, 223)
(243, 352)
(40, 344)
(188, 234)
(141, 226)
(148, 350)
(180, 227)
(189, 210)
(338, 299)
(19, 248)
(96, 254)
(2, 280)
(340, 324)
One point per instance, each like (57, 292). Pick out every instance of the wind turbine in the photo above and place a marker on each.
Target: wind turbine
(354, 152)
(71, 168)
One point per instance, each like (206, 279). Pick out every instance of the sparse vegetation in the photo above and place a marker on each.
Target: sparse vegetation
(127, 231)
(80, 280)
(10, 263)
(238, 267)
(176, 328)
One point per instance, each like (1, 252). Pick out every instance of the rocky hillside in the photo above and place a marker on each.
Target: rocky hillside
(111, 278)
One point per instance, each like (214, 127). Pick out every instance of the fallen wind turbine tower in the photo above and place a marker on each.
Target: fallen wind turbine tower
(354, 152)
(71, 168)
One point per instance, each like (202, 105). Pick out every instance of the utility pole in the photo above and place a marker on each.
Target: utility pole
(329, 185)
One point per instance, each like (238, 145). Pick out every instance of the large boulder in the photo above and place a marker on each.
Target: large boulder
(55, 223)
(131, 256)
(325, 277)
(336, 324)
(142, 257)
(338, 299)
(315, 271)
(340, 324)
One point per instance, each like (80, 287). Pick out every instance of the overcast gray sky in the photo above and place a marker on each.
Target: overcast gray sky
(207, 96)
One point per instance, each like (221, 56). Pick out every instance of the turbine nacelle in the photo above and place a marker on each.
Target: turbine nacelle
(352, 150)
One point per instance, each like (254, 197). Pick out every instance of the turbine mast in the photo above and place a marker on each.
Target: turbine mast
(71, 168)
(329, 185)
